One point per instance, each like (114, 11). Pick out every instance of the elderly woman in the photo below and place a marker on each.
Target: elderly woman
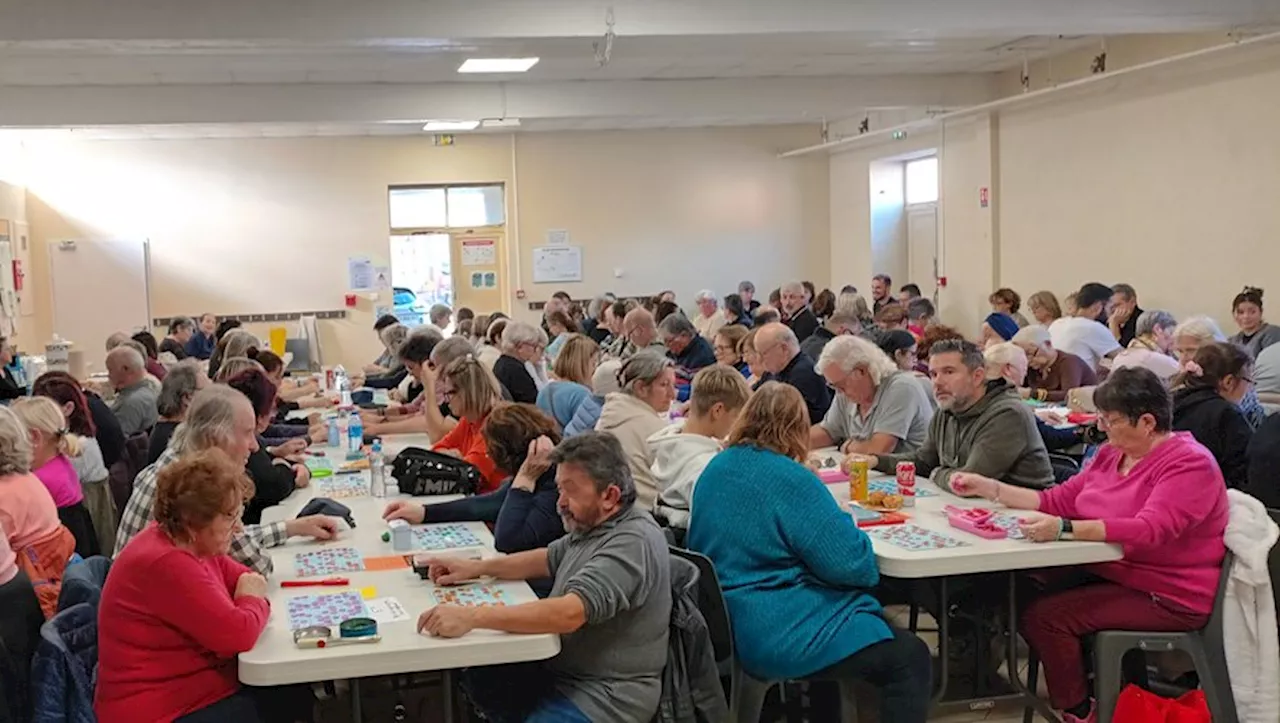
(1206, 399)
(726, 347)
(1152, 347)
(1198, 331)
(997, 328)
(1044, 308)
(172, 656)
(471, 392)
(709, 319)
(640, 408)
(1007, 301)
(853, 302)
(1156, 492)
(559, 326)
(1053, 372)
(1255, 333)
(522, 343)
(490, 348)
(392, 338)
(182, 383)
(735, 314)
(523, 510)
(234, 343)
(52, 448)
(572, 369)
(1009, 362)
(785, 550)
(273, 479)
(29, 517)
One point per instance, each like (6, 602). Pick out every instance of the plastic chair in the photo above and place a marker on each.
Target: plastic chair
(1205, 646)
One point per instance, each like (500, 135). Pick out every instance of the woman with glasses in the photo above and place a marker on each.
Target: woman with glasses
(471, 391)
(1156, 492)
(727, 347)
(1051, 372)
(521, 343)
(1206, 398)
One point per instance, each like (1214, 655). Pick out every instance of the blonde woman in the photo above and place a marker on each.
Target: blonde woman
(1044, 308)
(641, 408)
(573, 368)
(52, 447)
(747, 350)
(785, 550)
(853, 303)
(471, 391)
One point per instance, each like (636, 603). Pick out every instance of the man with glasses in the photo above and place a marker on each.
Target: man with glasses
(783, 361)
(685, 346)
(638, 332)
(878, 409)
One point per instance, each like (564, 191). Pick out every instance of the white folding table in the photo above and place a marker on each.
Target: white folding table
(275, 660)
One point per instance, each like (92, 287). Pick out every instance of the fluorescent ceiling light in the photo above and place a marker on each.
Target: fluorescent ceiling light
(501, 123)
(446, 126)
(497, 65)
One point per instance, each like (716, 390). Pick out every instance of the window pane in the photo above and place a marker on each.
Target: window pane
(922, 180)
(417, 208)
(471, 206)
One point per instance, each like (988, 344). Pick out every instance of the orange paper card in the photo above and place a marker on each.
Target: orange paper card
(388, 562)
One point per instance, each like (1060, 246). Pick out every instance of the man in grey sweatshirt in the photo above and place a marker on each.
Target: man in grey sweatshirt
(610, 602)
(981, 426)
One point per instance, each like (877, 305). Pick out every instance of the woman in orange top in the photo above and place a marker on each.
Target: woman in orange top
(471, 391)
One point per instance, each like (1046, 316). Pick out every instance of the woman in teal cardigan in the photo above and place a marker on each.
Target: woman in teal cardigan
(797, 572)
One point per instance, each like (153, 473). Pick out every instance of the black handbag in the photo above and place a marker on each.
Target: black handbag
(421, 472)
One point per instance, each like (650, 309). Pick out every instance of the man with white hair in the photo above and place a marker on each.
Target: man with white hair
(219, 418)
(685, 346)
(878, 409)
(1008, 361)
(440, 316)
(795, 313)
(781, 358)
(709, 319)
(135, 401)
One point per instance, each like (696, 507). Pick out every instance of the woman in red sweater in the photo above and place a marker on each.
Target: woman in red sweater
(471, 391)
(178, 608)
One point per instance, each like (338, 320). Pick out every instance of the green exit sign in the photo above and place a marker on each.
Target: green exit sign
(899, 135)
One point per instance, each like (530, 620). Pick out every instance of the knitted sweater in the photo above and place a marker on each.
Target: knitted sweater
(797, 572)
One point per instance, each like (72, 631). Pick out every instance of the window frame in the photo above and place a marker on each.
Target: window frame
(906, 184)
(446, 187)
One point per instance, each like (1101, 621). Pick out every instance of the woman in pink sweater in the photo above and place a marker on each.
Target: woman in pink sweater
(1155, 492)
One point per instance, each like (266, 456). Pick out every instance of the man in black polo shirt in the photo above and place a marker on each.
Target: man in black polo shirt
(781, 357)
(685, 346)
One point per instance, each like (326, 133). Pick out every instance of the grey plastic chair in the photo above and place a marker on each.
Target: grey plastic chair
(1205, 647)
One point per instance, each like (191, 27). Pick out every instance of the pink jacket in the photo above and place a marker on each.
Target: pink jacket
(1169, 513)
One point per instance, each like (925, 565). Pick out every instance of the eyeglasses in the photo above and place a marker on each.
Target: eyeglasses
(447, 394)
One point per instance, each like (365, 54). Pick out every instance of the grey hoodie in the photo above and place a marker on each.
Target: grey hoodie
(678, 461)
(996, 437)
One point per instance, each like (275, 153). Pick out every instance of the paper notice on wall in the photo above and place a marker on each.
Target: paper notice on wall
(382, 278)
(558, 237)
(477, 279)
(557, 264)
(360, 275)
(479, 252)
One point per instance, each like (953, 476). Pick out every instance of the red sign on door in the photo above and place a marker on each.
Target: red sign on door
(984, 197)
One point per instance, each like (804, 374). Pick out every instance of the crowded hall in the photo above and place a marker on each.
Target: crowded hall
(561, 363)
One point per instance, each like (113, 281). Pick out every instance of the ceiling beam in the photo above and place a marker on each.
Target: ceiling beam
(807, 98)
(387, 21)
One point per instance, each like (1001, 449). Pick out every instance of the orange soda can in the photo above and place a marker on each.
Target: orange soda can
(858, 471)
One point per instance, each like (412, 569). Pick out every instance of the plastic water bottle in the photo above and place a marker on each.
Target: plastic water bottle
(343, 428)
(377, 471)
(355, 434)
(335, 435)
(344, 386)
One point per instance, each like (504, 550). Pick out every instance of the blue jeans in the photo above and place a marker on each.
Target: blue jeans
(521, 693)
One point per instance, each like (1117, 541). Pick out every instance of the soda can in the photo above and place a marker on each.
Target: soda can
(906, 474)
(858, 472)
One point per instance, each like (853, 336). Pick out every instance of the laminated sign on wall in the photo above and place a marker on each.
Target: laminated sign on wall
(557, 264)
(479, 252)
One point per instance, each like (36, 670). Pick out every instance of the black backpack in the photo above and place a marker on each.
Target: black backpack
(421, 472)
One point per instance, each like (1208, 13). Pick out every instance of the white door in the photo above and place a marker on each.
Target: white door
(99, 287)
(922, 247)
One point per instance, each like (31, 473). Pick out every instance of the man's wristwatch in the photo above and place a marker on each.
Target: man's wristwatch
(1068, 531)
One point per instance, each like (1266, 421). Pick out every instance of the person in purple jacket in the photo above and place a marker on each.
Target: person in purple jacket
(1157, 493)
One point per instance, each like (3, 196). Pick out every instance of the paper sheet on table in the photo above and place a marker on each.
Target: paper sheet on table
(387, 610)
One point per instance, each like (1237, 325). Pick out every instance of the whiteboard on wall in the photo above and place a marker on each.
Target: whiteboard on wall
(557, 264)
(99, 287)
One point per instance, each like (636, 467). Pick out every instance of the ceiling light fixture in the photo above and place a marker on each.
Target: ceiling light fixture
(497, 65)
(501, 123)
(448, 126)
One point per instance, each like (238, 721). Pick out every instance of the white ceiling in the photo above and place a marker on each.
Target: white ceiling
(337, 67)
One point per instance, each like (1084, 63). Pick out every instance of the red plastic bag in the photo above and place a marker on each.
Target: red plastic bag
(1137, 705)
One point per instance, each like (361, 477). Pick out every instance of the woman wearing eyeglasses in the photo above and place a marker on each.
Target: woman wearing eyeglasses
(521, 343)
(1051, 372)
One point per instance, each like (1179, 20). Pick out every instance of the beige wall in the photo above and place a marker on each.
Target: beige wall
(888, 219)
(266, 225)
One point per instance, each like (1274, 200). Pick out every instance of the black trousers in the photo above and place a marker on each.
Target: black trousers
(20, 621)
(278, 704)
(901, 670)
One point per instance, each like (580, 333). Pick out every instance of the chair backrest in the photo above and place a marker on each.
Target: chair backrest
(1213, 630)
(711, 603)
(1064, 467)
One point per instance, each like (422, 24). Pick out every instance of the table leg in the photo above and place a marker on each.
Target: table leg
(357, 715)
(943, 645)
(446, 688)
(1011, 657)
